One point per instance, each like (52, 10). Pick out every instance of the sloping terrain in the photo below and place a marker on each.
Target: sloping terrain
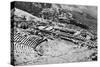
(52, 34)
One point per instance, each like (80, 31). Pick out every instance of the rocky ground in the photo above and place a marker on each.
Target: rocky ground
(52, 34)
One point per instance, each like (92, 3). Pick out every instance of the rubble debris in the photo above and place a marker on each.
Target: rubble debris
(52, 35)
